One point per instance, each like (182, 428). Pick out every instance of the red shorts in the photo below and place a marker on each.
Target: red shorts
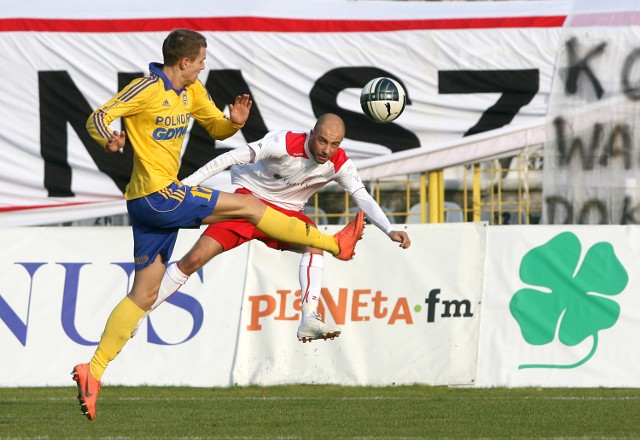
(232, 233)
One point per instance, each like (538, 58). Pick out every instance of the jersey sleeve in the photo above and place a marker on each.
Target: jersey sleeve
(349, 179)
(236, 156)
(272, 146)
(374, 213)
(124, 103)
(204, 111)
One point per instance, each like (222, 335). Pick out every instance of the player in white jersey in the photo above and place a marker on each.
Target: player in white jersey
(283, 169)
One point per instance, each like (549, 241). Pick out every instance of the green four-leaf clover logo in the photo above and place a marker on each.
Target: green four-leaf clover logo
(571, 298)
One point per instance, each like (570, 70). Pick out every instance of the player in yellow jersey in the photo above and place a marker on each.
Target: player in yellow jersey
(157, 110)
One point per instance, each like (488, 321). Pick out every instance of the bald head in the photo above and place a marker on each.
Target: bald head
(331, 122)
(326, 137)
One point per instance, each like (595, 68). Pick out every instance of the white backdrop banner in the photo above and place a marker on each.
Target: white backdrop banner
(467, 69)
(560, 307)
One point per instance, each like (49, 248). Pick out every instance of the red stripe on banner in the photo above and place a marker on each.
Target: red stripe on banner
(25, 208)
(258, 24)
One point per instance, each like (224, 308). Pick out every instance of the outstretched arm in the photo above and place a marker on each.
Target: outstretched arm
(375, 214)
(234, 157)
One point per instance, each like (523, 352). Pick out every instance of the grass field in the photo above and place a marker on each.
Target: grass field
(322, 412)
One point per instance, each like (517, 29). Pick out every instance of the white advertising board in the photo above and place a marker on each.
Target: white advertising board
(408, 316)
(560, 307)
(467, 304)
(60, 284)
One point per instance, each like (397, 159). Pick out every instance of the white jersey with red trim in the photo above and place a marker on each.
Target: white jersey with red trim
(284, 172)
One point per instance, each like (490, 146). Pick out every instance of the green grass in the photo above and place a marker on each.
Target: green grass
(323, 412)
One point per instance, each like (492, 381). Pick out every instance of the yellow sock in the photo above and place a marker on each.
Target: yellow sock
(117, 332)
(293, 230)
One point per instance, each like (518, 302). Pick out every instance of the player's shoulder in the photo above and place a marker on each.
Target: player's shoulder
(286, 142)
(339, 159)
(140, 87)
(198, 91)
(295, 141)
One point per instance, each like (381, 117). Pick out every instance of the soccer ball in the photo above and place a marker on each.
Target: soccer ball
(383, 100)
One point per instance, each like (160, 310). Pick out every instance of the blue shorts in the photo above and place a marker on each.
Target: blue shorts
(157, 218)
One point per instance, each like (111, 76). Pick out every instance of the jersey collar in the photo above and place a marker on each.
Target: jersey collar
(307, 152)
(156, 69)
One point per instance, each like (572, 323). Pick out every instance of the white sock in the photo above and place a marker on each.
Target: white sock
(310, 274)
(171, 281)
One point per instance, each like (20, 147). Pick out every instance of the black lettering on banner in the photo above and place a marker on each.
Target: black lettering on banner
(324, 99)
(61, 103)
(578, 66)
(223, 86)
(516, 87)
(561, 211)
(593, 207)
(618, 143)
(456, 305)
(453, 308)
(628, 212)
(606, 145)
(630, 91)
(566, 148)
(555, 207)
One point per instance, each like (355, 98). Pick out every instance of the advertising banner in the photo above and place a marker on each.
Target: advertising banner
(560, 307)
(466, 304)
(408, 316)
(61, 284)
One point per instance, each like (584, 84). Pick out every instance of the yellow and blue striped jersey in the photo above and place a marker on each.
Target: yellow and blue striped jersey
(156, 118)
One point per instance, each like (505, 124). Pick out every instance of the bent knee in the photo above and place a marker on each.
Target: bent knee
(239, 206)
(143, 299)
(252, 209)
(190, 263)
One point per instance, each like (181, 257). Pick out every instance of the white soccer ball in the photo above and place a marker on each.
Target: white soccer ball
(383, 100)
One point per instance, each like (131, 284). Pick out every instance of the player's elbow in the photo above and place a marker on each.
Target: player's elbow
(93, 128)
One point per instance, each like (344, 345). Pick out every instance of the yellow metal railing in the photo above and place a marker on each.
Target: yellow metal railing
(506, 191)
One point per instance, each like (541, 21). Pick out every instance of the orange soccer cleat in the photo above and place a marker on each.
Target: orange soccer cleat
(88, 388)
(348, 237)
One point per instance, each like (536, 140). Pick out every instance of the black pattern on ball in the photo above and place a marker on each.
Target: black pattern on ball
(383, 100)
